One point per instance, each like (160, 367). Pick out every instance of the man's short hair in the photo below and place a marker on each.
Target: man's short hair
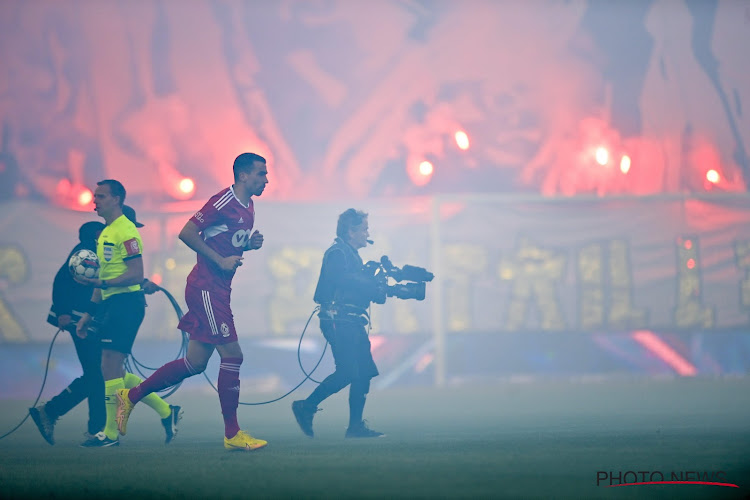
(348, 220)
(245, 163)
(115, 188)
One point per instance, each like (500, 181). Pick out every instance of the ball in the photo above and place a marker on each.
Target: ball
(84, 263)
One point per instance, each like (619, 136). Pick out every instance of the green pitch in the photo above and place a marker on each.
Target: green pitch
(515, 440)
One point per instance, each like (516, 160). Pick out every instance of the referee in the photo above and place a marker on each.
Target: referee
(118, 305)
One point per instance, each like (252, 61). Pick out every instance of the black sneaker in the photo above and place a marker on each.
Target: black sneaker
(304, 415)
(44, 423)
(362, 431)
(170, 422)
(100, 440)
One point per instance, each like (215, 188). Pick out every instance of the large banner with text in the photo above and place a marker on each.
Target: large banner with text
(501, 264)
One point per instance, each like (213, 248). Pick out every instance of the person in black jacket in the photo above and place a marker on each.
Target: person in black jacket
(70, 300)
(344, 292)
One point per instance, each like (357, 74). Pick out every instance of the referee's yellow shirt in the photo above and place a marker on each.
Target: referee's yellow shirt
(119, 242)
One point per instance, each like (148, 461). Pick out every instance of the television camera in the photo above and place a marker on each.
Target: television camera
(414, 278)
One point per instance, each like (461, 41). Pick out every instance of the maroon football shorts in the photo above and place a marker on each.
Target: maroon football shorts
(209, 318)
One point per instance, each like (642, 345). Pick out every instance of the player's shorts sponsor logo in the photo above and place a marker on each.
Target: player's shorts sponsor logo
(240, 238)
(108, 252)
(225, 329)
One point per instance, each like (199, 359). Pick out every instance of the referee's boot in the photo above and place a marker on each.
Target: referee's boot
(170, 422)
(100, 440)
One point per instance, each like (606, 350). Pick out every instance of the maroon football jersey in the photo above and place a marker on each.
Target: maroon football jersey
(226, 226)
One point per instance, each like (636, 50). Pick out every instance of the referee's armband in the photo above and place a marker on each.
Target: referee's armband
(92, 307)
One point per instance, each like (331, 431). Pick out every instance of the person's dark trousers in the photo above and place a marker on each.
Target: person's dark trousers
(357, 397)
(330, 385)
(354, 365)
(89, 386)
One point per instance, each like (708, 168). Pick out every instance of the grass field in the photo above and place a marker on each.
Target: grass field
(515, 440)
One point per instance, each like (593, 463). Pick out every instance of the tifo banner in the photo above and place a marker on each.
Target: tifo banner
(272, 290)
(501, 264)
(596, 264)
(346, 98)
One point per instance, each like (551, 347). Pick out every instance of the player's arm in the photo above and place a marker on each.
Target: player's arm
(149, 287)
(191, 236)
(82, 327)
(133, 275)
(63, 292)
(255, 241)
(63, 296)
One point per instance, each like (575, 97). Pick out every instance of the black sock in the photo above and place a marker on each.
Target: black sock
(357, 399)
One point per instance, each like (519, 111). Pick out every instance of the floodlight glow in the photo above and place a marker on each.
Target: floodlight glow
(625, 164)
(602, 156)
(187, 185)
(462, 140)
(85, 197)
(426, 168)
(712, 176)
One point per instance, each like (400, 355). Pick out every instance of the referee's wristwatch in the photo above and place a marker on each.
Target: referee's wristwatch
(104, 285)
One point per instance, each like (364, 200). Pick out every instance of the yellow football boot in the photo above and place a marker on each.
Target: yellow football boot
(124, 407)
(242, 441)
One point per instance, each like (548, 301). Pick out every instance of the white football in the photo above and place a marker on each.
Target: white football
(84, 263)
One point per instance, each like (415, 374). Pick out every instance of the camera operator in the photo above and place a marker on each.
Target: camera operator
(344, 292)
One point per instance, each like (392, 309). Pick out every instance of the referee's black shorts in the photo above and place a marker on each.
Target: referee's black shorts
(117, 320)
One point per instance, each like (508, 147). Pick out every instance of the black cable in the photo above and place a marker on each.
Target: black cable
(44, 381)
(137, 365)
(308, 376)
(299, 346)
(183, 352)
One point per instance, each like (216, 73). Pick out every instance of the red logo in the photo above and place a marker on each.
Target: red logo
(132, 247)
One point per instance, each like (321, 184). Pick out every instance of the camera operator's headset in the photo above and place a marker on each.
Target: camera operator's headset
(133, 365)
